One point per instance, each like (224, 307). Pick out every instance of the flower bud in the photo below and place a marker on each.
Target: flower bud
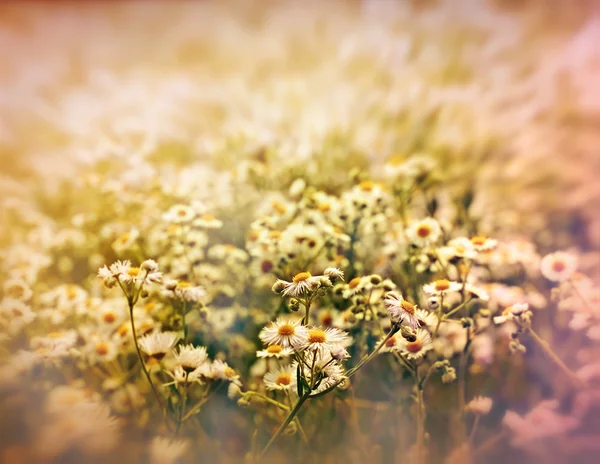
(375, 279)
(294, 304)
(278, 286)
(171, 284)
(433, 303)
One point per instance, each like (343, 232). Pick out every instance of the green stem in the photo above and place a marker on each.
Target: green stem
(458, 308)
(552, 355)
(420, 417)
(139, 353)
(268, 400)
(440, 316)
(287, 422)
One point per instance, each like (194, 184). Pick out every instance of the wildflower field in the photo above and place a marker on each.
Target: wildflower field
(300, 231)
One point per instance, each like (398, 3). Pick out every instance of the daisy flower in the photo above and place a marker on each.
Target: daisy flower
(354, 287)
(441, 287)
(426, 318)
(222, 371)
(156, 345)
(179, 214)
(189, 292)
(401, 310)
(511, 312)
(324, 340)
(190, 357)
(477, 292)
(391, 344)
(418, 348)
(558, 266)
(424, 232)
(483, 244)
(208, 221)
(301, 283)
(286, 333)
(274, 351)
(181, 376)
(17, 289)
(282, 378)
(334, 273)
(480, 405)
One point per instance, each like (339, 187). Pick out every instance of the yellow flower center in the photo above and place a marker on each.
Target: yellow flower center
(408, 307)
(229, 372)
(366, 185)
(274, 349)
(424, 230)
(275, 234)
(316, 336)
(286, 330)
(16, 291)
(279, 207)
(184, 284)
(478, 240)
(302, 277)
(324, 207)
(102, 349)
(391, 342)
(207, 217)
(354, 282)
(284, 379)
(181, 212)
(441, 285)
(395, 160)
(558, 265)
(133, 271)
(109, 318)
(414, 347)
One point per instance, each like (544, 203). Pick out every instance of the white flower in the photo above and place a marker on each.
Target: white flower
(558, 266)
(354, 287)
(17, 289)
(477, 292)
(286, 333)
(158, 344)
(281, 378)
(511, 312)
(188, 292)
(221, 370)
(401, 310)
(324, 340)
(300, 284)
(208, 221)
(334, 273)
(480, 405)
(274, 351)
(424, 232)
(190, 357)
(483, 244)
(179, 214)
(441, 287)
(391, 344)
(418, 348)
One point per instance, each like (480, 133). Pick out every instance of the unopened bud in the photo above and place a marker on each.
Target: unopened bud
(433, 303)
(278, 286)
(294, 305)
(375, 279)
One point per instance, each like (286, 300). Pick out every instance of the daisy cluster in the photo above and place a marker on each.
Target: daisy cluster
(300, 232)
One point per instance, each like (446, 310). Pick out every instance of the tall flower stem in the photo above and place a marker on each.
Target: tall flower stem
(141, 359)
(287, 422)
(420, 417)
(552, 355)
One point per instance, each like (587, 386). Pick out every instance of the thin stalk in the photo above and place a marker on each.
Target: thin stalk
(287, 422)
(474, 429)
(420, 417)
(139, 353)
(458, 308)
(440, 315)
(268, 400)
(552, 355)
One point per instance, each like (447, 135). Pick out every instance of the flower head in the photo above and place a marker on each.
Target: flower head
(558, 266)
(401, 310)
(285, 333)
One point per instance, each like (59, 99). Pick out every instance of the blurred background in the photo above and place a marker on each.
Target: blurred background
(222, 101)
